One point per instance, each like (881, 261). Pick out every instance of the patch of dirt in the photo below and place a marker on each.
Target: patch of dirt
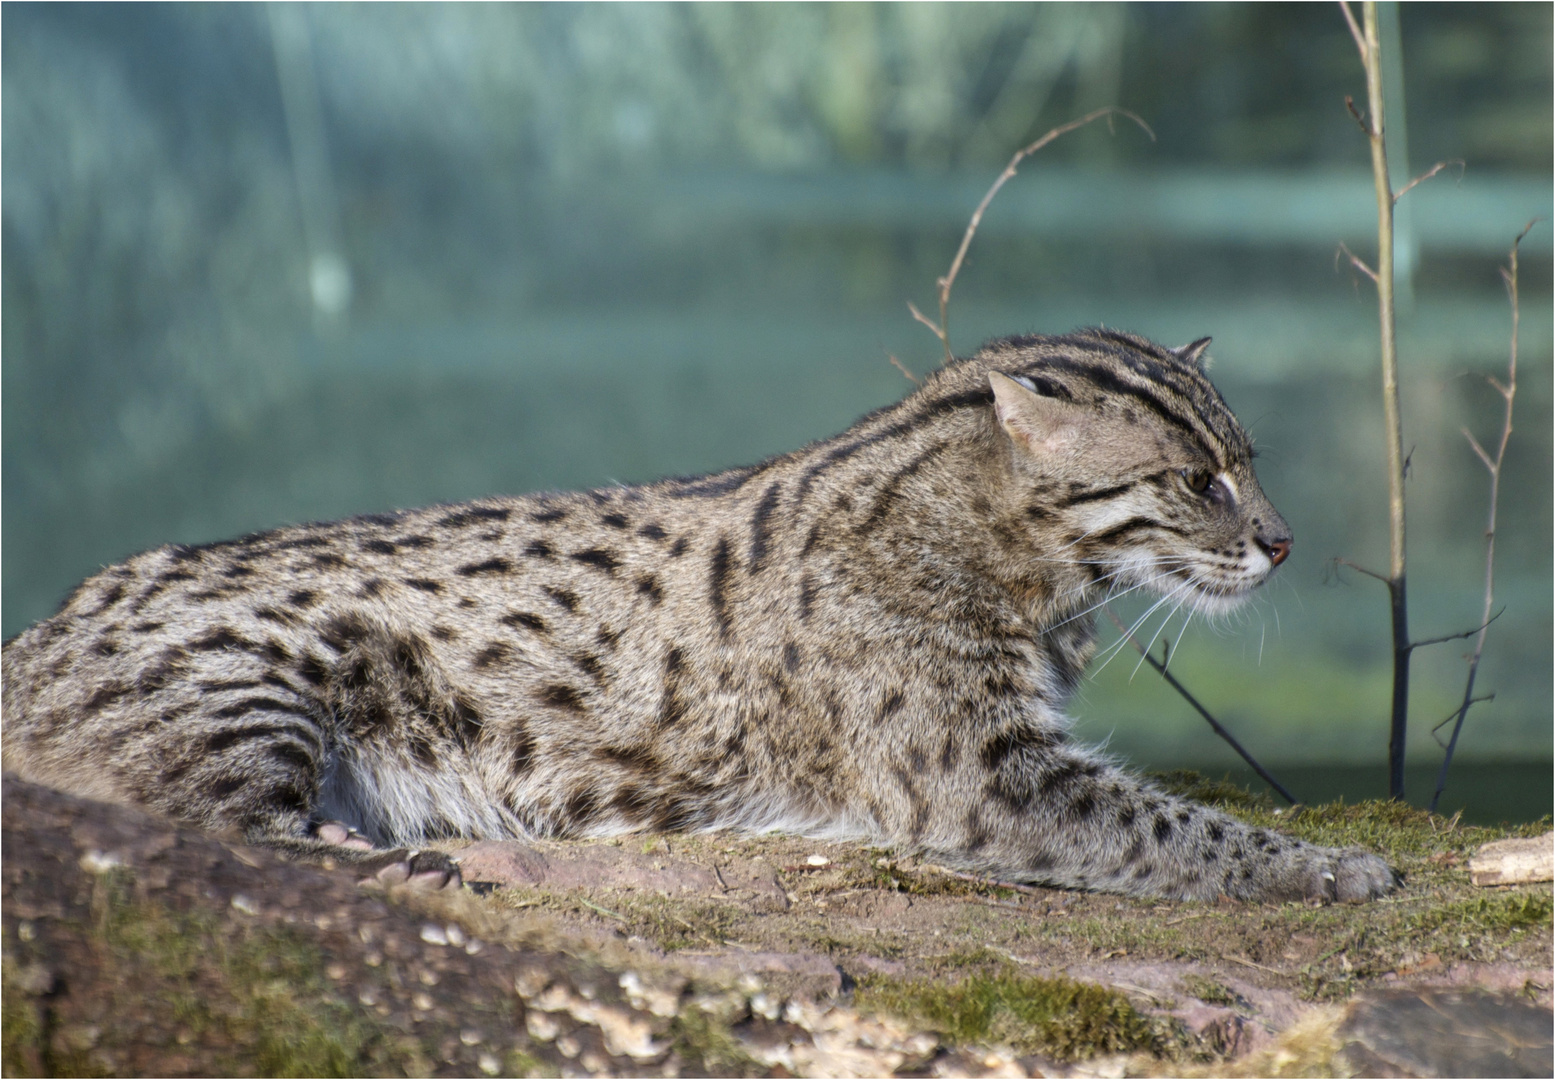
(717, 955)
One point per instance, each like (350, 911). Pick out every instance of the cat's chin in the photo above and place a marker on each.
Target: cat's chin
(1218, 598)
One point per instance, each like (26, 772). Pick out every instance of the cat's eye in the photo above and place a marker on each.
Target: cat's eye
(1198, 480)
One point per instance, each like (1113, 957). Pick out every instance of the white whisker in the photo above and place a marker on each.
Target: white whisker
(1112, 650)
(1186, 620)
(1146, 652)
(1111, 596)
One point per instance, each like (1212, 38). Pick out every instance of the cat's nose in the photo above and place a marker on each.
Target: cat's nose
(1277, 550)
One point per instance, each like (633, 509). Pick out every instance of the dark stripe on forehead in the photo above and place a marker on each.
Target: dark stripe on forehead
(1104, 378)
(1130, 342)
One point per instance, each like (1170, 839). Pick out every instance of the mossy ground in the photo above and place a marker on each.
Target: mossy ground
(1059, 1017)
(983, 964)
(257, 1002)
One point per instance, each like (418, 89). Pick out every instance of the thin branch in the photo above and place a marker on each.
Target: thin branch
(1360, 121)
(1362, 570)
(945, 284)
(903, 369)
(1450, 717)
(1432, 171)
(1202, 711)
(1458, 636)
(992, 883)
(1374, 126)
(931, 324)
(1509, 394)
(1355, 31)
(1476, 447)
(1355, 261)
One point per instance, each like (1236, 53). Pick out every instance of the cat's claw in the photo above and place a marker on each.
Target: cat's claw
(342, 835)
(424, 871)
(1348, 876)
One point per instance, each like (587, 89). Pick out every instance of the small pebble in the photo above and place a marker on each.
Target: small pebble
(244, 904)
(100, 862)
(489, 1064)
(433, 934)
(541, 1026)
(470, 1037)
(422, 1001)
(817, 860)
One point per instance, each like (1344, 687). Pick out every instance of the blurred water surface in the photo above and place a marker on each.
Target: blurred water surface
(277, 263)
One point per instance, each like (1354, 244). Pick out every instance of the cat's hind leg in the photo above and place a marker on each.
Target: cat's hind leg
(218, 733)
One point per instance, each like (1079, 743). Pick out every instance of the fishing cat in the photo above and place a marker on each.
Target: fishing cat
(872, 637)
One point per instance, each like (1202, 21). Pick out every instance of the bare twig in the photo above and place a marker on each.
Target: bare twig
(1355, 261)
(992, 883)
(1458, 636)
(899, 366)
(1355, 31)
(934, 327)
(1249, 963)
(1368, 42)
(1450, 717)
(602, 910)
(1508, 391)
(1191, 700)
(1359, 569)
(1349, 103)
(1432, 171)
(1474, 443)
(945, 284)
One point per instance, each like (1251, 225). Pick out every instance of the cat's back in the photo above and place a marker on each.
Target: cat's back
(517, 588)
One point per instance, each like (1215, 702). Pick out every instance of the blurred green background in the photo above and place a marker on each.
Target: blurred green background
(276, 263)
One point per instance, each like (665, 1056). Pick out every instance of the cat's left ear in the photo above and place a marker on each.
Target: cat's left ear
(1193, 353)
(1043, 425)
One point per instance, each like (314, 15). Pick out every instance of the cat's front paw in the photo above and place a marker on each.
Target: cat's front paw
(1346, 875)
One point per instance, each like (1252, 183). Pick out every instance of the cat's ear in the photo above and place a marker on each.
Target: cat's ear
(1042, 425)
(1193, 353)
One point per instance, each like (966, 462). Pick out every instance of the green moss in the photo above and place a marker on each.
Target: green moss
(1495, 913)
(675, 926)
(1223, 793)
(261, 991)
(252, 1000)
(1059, 1017)
(22, 1048)
(703, 1040)
(1208, 990)
(519, 1063)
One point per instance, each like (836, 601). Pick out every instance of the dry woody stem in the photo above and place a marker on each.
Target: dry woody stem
(1367, 42)
(1508, 391)
(1372, 126)
(1219, 728)
(941, 329)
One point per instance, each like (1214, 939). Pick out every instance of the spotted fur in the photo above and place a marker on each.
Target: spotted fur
(872, 637)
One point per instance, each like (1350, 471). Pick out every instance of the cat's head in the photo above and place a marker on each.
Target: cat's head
(1126, 456)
